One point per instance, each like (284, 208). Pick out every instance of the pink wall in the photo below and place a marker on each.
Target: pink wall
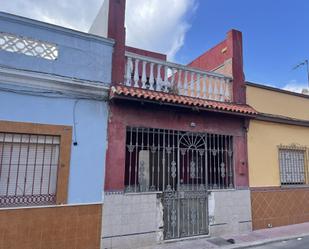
(116, 31)
(146, 53)
(137, 115)
(215, 57)
(211, 59)
(131, 114)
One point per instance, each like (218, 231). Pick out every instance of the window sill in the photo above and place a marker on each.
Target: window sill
(222, 190)
(294, 186)
(51, 206)
(143, 193)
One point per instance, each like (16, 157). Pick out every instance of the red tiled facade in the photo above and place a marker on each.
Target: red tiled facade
(125, 114)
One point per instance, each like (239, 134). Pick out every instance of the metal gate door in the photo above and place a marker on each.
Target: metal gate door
(186, 206)
(183, 165)
(185, 213)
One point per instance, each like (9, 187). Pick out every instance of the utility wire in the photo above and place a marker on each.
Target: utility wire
(50, 94)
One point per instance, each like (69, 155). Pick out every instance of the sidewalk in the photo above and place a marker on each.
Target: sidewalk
(258, 237)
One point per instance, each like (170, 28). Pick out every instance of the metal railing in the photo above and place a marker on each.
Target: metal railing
(293, 165)
(170, 160)
(158, 75)
(28, 169)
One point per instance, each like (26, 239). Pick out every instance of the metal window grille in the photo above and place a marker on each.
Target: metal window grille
(28, 169)
(293, 168)
(160, 159)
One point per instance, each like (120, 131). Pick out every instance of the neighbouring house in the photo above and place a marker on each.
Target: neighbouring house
(54, 85)
(278, 142)
(176, 163)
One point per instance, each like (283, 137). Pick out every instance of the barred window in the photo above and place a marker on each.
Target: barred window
(161, 159)
(28, 169)
(293, 165)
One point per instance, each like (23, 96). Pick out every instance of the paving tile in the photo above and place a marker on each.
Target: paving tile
(250, 237)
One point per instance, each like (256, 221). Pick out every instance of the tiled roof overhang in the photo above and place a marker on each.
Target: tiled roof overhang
(120, 91)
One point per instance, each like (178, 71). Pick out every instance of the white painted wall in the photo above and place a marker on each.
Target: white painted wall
(100, 23)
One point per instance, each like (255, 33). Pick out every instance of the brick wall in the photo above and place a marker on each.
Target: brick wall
(279, 207)
(63, 227)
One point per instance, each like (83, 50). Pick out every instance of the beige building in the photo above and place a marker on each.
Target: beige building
(278, 142)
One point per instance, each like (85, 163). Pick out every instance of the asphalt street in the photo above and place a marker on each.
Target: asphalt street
(298, 243)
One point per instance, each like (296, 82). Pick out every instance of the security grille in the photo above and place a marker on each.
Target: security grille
(28, 169)
(183, 165)
(293, 168)
(160, 159)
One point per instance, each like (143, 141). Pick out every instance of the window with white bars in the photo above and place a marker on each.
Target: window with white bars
(28, 169)
(293, 165)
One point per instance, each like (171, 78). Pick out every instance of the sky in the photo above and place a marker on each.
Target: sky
(275, 32)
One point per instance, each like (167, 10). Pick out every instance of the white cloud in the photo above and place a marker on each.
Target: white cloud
(295, 86)
(76, 14)
(158, 25)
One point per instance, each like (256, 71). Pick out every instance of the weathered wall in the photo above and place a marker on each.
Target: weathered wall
(278, 207)
(117, 31)
(278, 103)
(122, 116)
(213, 58)
(131, 220)
(88, 157)
(146, 53)
(80, 55)
(135, 220)
(227, 58)
(61, 227)
(229, 212)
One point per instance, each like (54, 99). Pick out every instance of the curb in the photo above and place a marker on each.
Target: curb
(264, 242)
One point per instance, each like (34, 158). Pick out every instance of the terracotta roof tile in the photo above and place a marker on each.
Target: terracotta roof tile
(179, 99)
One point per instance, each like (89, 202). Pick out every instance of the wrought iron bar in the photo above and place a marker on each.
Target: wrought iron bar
(18, 163)
(177, 158)
(24, 180)
(292, 165)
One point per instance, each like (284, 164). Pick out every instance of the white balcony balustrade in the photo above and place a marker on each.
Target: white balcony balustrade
(158, 75)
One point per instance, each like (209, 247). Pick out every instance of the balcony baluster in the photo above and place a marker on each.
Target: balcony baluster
(158, 75)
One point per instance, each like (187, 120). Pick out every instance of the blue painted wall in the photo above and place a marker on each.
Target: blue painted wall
(81, 56)
(88, 157)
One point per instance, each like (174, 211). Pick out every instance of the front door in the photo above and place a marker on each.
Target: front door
(185, 203)
(183, 166)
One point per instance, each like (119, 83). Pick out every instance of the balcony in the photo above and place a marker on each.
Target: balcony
(162, 76)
